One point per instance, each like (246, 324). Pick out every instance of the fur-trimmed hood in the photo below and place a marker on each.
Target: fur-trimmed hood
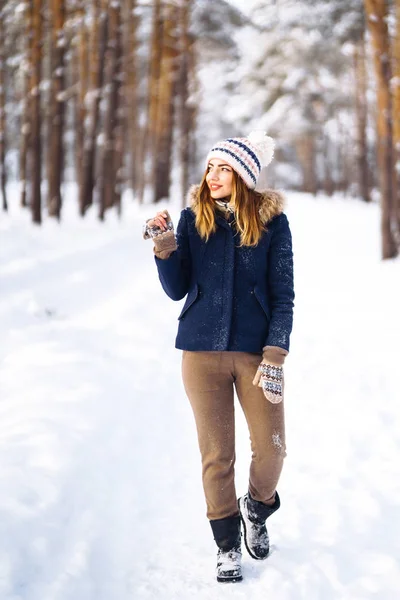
(272, 203)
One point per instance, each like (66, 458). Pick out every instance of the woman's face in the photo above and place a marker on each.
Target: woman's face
(219, 178)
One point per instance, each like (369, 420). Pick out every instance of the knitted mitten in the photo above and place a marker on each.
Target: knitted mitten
(269, 374)
(164, 241)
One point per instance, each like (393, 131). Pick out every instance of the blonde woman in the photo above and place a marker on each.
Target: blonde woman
(232, 259)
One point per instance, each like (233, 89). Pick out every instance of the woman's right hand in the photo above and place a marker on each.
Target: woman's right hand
(160, 221)
(161, 230)
(161, 224)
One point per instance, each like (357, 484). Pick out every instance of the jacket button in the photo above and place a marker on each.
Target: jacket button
(251, 292)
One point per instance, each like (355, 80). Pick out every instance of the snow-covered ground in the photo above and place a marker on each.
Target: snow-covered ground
(101, 495)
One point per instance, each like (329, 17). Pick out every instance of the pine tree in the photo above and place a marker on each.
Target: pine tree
(131, 134)
(361, 108)
(148, 136)
(3, 112)
(26, 126)
(35, 106)
(396, 112)
(163, 126)
(57, 106)
(186, 113)
(377, 15)
(112, 123)
(80, 77)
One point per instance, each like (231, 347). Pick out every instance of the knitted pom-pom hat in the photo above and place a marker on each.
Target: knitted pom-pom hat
(247, 156)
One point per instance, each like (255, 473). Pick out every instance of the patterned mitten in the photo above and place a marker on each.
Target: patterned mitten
(269, 374)
(164, 241)
(271, 382)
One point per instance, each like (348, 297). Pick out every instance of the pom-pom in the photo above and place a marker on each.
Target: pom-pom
(264, 144)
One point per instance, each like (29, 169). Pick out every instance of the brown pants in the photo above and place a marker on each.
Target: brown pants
(209, 378)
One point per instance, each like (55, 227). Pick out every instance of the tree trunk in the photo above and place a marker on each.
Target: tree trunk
(121, 127)
(96, 74)
(184, 96)
(57, 108)
(361, 118)
(25, 138)
(81, 76)
(131, 131)
(26, 127)
(162, 145)
(377, 15)
(147, 141)
(192, 107)
(112, 85)
(3, 138)
(348, 166)
(307, 156)
(396, 115)
(329, 186)
(127, 134)
(36, 161)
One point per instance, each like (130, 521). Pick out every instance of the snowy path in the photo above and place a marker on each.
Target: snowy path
(100, 474)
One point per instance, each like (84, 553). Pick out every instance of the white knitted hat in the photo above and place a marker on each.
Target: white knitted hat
(247, 156)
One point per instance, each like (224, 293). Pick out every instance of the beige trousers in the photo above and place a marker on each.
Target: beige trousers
(209, 379)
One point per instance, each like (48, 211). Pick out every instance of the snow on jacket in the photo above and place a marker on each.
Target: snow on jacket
(238, 298)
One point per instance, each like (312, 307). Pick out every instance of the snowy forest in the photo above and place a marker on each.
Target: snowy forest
(126, 95)
(108, 110)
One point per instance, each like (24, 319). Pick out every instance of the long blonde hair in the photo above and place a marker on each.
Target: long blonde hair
(247, 216)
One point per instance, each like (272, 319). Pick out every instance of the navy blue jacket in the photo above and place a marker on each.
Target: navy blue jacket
(238, 298)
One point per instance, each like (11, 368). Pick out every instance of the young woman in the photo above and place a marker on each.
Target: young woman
(232, 259)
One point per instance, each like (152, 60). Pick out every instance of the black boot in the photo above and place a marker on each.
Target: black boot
(254, 515)
(227, 537)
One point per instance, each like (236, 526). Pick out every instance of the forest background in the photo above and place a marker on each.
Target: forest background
(128, 95)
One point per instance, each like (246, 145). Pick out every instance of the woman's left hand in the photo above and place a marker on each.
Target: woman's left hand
(270, 379)
(269, 375)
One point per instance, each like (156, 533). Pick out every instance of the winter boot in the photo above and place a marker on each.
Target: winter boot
(227, 537)
(254, 515)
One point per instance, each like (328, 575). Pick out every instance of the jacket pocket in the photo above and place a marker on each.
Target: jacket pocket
(262, 301)
(191, 299)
